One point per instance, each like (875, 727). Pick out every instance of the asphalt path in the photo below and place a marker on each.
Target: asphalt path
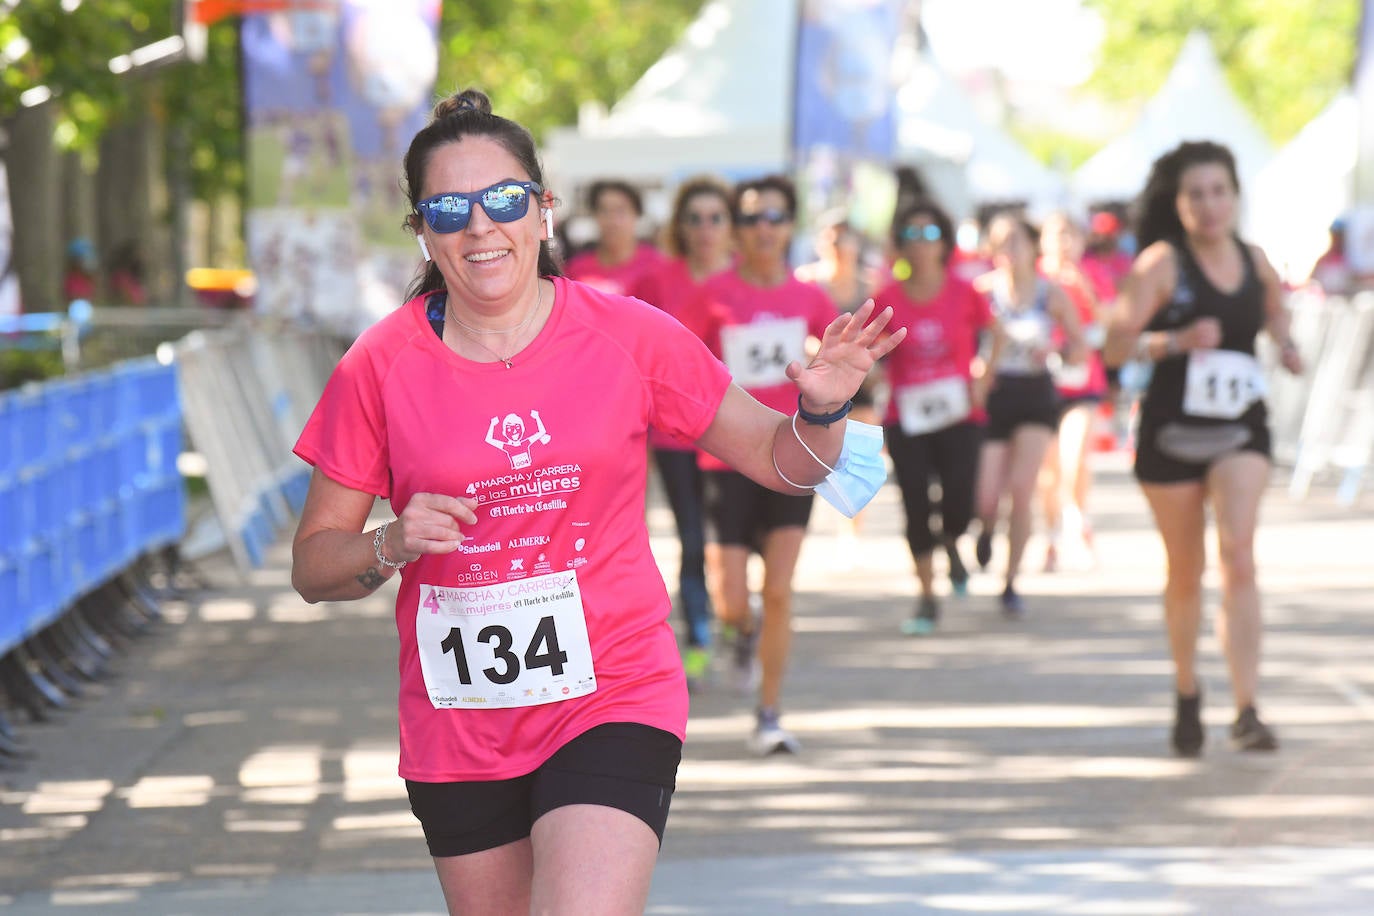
(242, 757)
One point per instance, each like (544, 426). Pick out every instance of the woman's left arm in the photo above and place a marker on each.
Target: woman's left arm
(1277, 320)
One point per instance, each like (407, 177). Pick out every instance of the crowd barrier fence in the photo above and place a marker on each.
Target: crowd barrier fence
(91, 468)
(1323, 419)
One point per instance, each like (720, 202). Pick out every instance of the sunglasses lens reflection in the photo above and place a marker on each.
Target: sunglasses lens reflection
(504, 203)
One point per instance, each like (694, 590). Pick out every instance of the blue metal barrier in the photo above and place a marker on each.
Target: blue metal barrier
(88, 473)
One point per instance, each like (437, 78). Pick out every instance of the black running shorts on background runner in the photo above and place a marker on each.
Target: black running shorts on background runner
(741, 513)
(1018, 400)
(622, 765)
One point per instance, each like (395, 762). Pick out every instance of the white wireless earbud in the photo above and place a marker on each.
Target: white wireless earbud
(548, 222)
(424, 249)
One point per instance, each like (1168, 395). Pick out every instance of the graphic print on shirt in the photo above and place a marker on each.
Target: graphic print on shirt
(514, 442)
(529, 487)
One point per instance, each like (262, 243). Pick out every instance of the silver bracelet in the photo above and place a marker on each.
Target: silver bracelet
(377, 549)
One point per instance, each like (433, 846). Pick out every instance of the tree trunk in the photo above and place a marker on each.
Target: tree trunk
(35, 200)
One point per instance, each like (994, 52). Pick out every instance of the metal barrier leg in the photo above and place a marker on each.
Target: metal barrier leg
(53, 669)
(81, 630)
(139, 597)
(102, 610)
(12, 750)
(28, 689)
(58, 640)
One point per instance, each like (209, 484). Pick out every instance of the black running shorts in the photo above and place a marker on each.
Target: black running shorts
(741, 513)
(630, 767)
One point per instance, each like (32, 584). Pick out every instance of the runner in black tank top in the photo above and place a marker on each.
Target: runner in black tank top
(1241, 316)
(1192, 304)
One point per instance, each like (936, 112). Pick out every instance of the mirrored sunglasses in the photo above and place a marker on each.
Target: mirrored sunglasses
(927, 233)
(703, 219)
(771, 217)
(504, 202)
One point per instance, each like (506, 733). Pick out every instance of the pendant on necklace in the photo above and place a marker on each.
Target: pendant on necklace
(507, 362)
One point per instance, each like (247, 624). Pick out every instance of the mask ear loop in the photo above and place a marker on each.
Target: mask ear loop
(800, 486)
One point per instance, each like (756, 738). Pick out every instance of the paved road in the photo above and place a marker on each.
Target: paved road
(243, 758)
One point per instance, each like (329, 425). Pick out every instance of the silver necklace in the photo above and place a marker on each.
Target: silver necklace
(517, 330)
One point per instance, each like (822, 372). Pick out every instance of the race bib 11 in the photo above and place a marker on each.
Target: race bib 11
(1221, 384)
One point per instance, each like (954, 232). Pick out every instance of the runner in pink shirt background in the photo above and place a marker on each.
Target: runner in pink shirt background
(698, 239)
(935, 414)
(766, 316)
(619, 260)
(504, 411)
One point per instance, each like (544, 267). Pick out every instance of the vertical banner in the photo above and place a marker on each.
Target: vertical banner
(9, 278)
(333, 92)
(1360, 231)
(844, 103)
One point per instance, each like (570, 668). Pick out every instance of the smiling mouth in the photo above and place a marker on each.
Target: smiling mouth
(483, 256)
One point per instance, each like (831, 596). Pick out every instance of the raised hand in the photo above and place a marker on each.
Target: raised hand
(849, 348)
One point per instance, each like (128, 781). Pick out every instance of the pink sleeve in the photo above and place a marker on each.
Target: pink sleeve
(345, 438)
(686, 381)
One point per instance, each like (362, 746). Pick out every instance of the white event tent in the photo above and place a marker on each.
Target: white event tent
(720, 101)
(1304, 188)
(1195, 103)
(938, 120)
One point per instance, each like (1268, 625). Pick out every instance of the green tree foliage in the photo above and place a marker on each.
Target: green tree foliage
(539, 60)
(1285, 59)
(69, 52)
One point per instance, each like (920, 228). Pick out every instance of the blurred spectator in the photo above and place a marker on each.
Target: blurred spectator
(78, 279)
(1106, 258)
(126, 276)
(1332, 270)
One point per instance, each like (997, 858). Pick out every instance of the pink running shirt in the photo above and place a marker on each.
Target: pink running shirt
(553, 449)
(740, 309)
(671, 286)
(941, 335)
(617, 279)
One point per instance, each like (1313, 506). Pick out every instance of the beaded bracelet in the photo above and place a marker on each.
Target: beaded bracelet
(377, 549)
(823, 419)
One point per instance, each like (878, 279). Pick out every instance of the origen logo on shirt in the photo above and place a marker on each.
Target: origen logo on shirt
(513, 441)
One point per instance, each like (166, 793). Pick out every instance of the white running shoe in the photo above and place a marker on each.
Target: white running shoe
(770, 737)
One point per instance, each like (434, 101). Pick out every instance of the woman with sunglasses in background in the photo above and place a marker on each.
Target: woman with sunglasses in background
(1193, 304)
(619, 259)
(767, 316)
(933, 423)
(504, 412)
(1022, 405)
(698, 241)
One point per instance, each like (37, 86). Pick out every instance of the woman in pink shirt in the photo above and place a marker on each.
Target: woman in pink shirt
(934, 417)
(766, 318)
(619, 259)
(504, 411)
(698, 238)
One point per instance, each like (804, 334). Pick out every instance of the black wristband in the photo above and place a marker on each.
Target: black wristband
(823, 419)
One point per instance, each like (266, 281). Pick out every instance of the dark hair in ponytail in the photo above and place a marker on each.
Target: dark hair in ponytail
(467, 114)
(1157, 206)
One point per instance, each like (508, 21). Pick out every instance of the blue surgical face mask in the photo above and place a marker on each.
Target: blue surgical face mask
(859, 473)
